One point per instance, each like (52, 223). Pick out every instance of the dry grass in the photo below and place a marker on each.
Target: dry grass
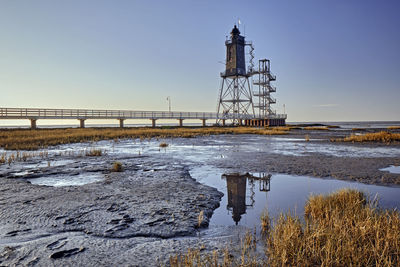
(383, 136)
(194, 257)
(24, 139)
(117, 167)
(307, 138)
(246, 256)
(163, 145)
(340, 229)
(94, 152)
(20, 156)
(393, 127)
(200, 218)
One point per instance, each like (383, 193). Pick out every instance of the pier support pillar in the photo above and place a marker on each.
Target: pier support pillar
(223, 122)
(180, 122)
(204, 122)
(33, 123)
(153, 123)
(81, 123)
(121, 123)
(240, 122)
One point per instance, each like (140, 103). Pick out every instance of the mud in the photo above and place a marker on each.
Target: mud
(141, 216)
(136, 208)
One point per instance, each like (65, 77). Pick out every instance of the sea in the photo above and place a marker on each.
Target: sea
(345, 125)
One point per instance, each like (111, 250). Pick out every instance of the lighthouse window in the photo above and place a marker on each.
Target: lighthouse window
(230, 54)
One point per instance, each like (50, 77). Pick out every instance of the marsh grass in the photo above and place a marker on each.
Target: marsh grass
(23, 156)
(246, 256)
(383, 137)
(20, 156)
(163, 145)
(25, 139)
(341, 229)
(393, 127)
(117, 167)
(93, 152)
(200, 218)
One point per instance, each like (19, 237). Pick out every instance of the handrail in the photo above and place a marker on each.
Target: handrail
(100, 114)
(47, 113)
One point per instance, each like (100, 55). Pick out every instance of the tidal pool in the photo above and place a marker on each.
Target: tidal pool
(247, 195)
(67, 180)
(391, 169)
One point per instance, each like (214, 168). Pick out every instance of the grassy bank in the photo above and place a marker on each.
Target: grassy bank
(341, 229)
(41, 138)
(381, 137)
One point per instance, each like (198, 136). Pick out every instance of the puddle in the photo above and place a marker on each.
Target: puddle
(246, 196)
(392, 169)
(22, 173)
(63, 180)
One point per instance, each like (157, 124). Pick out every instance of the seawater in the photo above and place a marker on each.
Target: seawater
(343, 125)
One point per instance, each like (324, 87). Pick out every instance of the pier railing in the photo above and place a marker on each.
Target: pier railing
(37, 113)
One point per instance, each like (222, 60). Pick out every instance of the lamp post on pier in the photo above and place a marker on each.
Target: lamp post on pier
(169, 103)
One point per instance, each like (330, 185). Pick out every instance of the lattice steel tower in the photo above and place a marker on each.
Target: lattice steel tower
(264, 90)
(235, 99)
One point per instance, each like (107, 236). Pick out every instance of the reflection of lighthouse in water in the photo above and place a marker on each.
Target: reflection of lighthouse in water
(236, 189)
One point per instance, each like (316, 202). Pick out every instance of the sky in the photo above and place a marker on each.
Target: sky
(334, 60)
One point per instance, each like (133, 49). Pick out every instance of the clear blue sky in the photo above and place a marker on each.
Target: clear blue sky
(334, 60)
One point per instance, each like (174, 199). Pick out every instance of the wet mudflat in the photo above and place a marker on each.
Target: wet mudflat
(68, 208)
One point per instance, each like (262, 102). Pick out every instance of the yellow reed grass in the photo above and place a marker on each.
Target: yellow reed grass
(341, 229)
(93, 152)
(117, 167)
(383, 137)
(163, 145)
(393, 127)
(25, 139)
(219, 258)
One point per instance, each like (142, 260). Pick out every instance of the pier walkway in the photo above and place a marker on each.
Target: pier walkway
(34, 114)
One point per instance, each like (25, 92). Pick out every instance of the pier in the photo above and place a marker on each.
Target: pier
(34, 114)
